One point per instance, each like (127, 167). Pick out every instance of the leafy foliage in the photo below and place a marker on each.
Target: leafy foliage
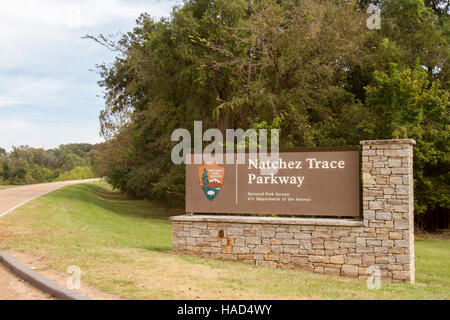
(76, 173)
(310, 68)
(25, 165)
(405, 105)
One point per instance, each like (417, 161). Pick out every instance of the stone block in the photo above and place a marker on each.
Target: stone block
(383, 215)
(332, 271)
(380, 250)
(275, 241)
(272, 257)
(284, 235)
(258, 256)
(395, 180)
(395, 236)
(373, 243)
(404, 153)
(368, 179)
(349, 270)
(401, 275)
(357, 260)
(401, 171)
(401, 243)
(368, 260)
(300, 260)
(319, 270)
(302, 235)
(253, 240)
(368, 152)
(403, 259)
(395, 163)
(382, 260)
(375, 205)
(262, 249)
(276, 249)
(320, 259)
(240, 250)
(290, 241)
(331, 244)
(232, 231)
(337, 259)
(316, 235)
(360, 241)
(268, 234)
(401, 224)
(402, 190)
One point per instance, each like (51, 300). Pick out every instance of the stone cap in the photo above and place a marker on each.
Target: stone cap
(388, 141)
(269, 220)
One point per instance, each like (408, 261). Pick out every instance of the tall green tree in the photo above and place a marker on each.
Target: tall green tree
(309, 68)
(25, 165)
(405, 104)
(231, 64)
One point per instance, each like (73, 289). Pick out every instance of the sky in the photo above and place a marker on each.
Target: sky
(48, 81)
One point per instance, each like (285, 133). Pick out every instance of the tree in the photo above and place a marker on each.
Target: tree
(71, 161)
(239, 64)
(405, 104)
(309, 68)
(38, 175)
(409, 30)
(25, 165)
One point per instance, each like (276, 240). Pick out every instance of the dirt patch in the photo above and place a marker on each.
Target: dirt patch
(39, 265)
(13, 288)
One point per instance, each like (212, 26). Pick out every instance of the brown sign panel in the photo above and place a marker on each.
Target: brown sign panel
(322, 183)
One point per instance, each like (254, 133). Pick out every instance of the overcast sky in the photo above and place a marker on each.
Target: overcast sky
(48, 95)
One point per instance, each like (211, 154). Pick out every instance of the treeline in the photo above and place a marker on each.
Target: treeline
(309, 68)
(27, 165)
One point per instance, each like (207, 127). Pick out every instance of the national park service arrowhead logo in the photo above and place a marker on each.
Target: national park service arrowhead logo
(211, 177)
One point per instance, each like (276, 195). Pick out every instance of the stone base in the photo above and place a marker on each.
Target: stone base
(328, 246)
(383, 241)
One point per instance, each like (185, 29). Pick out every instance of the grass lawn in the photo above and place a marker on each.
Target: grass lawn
(120, 245)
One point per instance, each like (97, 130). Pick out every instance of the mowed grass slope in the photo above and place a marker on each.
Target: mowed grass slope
(120, 245)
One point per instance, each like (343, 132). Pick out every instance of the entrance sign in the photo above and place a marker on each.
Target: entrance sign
(316, 182)
(313, 182)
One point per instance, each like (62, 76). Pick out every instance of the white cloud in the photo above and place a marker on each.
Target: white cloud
(44, 66)
(44, 91)
(8, 102)
(16, 132)
(53, 25)
(79, 13)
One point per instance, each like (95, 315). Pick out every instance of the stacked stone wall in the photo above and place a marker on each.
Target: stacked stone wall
(383, 238)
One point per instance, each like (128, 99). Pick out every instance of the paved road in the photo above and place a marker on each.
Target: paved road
(11, 287)
(14, 197)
